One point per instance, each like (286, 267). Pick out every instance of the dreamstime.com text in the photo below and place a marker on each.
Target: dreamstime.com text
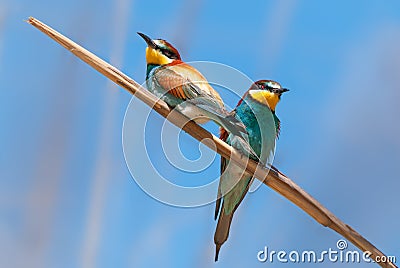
(339, 254)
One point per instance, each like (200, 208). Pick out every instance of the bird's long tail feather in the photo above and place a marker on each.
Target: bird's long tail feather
(222, 231)
(225, 219)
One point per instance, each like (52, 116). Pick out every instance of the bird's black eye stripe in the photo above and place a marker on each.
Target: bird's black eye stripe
(271, 89)
(168, 53)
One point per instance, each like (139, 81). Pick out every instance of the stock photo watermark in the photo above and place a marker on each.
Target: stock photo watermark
(339, 254)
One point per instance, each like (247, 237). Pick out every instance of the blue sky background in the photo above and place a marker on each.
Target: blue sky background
(66, 196)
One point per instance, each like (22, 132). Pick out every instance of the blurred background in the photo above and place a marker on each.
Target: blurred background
(67, 198)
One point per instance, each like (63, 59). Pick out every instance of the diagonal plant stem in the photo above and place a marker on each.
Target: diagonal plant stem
(276, 180)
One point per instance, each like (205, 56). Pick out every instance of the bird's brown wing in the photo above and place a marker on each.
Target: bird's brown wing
(176, 84)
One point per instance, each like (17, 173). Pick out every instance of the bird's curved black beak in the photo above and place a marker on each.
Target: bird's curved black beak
(283, 90)
(148, 40)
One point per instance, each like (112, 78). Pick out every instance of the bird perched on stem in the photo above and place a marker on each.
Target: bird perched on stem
(256, 110)
(183, 87)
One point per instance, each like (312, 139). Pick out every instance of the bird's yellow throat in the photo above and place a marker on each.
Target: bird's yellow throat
(154, 56)
(265, 97)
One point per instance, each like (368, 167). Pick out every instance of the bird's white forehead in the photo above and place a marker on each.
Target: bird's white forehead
(274, 84)
(158, 42)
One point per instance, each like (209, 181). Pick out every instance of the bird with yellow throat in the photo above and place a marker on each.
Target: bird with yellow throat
(184, 88)
(256, 110)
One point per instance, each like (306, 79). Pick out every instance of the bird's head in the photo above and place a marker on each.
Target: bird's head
(267, 92)
(159, 52)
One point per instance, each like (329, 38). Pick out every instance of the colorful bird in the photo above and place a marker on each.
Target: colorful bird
(256, 110)
(183, 87)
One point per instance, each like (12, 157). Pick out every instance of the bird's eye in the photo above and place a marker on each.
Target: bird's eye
(168, 53)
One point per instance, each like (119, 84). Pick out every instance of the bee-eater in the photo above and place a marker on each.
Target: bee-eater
(256, 110)
(183, 87)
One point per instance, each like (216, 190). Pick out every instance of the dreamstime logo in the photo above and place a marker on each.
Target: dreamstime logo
(341, 244)
(339, 254)
(153, 151)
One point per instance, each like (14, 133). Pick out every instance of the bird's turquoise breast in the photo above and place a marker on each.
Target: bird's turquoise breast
(262, 129)
(260, 124)
(150, 69)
